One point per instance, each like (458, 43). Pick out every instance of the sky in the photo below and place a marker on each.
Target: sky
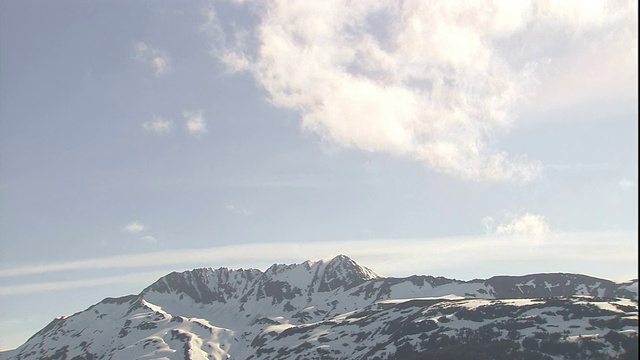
(445, 138)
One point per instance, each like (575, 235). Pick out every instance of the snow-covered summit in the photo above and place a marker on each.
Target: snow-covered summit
(281, 281)
(343, 272)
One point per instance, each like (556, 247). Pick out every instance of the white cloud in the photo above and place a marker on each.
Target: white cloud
(435, 81)
(194, 122)
(529, 225)
(158, 60)
(134, 227)
(235, 61)
(158, 126)
(626, 184)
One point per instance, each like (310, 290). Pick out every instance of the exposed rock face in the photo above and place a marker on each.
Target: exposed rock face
(558, 284)
(339, 309)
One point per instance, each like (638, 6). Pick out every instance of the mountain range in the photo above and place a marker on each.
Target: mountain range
(339, 309)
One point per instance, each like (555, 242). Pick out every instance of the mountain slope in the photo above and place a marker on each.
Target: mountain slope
(340, 309)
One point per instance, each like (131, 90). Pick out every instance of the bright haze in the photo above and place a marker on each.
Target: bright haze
(462, 139)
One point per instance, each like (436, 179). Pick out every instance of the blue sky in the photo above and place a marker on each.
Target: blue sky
(462, 140)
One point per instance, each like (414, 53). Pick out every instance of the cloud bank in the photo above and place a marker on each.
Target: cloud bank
(435, 81)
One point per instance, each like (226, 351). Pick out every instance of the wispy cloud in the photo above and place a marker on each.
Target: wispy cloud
(488, 224)
(532, 226)
(158, 60)
(138, 228)
(134, 227)
(238, 210)
(35, 288)
(459, 256)
(579, 167)
(158, 126)
(211, 25)
(281, 181)
(194, 122)
(149, 239)
(626, 184)
(436, 81)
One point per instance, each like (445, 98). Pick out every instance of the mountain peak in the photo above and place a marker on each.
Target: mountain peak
(340, 258)
(343, 272)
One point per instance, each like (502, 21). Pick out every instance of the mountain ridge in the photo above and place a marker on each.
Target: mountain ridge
(237, 309)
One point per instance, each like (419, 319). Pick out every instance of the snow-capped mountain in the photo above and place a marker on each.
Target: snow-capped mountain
(338, 309)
